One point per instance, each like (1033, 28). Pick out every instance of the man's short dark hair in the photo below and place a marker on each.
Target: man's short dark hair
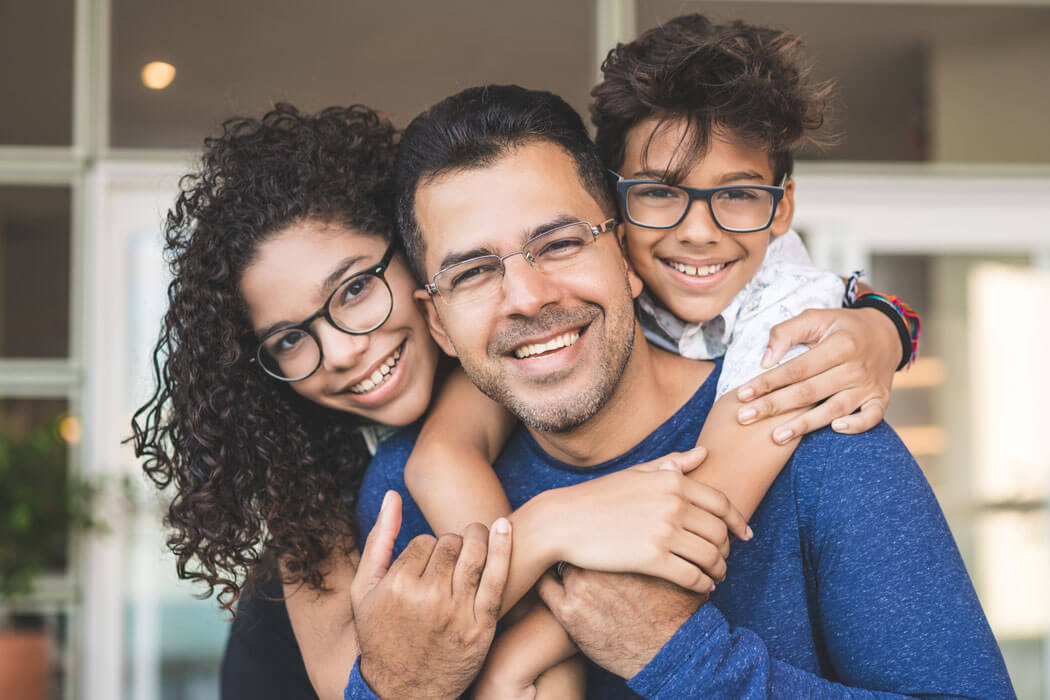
(751, 80)
(476, 127)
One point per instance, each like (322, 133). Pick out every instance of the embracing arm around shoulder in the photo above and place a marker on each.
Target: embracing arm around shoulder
(323, 623)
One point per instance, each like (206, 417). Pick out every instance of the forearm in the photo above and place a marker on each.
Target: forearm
(706, 658)
(742, 461)
(323, 623)
(455, 487)
(525, 650)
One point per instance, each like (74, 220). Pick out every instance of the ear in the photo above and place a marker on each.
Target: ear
(437, 328)
(785, 210)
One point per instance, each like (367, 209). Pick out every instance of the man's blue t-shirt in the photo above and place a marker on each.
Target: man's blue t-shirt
(852, 581)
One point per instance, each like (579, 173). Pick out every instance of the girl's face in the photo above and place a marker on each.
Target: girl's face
(387, 375)
(695, 269)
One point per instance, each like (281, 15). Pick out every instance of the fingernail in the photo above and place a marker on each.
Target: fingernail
(501, 526)
(746, 414)
(783, 435)
(839, 424)
(750, 533)
(767, 357)
(745, 393)
(386, 501)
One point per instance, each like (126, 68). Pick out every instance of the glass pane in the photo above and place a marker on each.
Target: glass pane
(36, 50)
(34, 456)
(915, 82)
(34, 271)
(173, 640)
(399, 56)
(973, 411)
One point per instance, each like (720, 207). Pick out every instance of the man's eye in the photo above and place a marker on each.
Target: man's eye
(474, 275)
(562, 247)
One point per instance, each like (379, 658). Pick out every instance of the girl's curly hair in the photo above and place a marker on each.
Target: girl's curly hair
(751, 80)
(255, 466)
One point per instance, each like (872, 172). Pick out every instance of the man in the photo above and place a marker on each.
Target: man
(853, 581)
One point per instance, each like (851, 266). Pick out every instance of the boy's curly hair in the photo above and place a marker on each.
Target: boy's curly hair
(751, 80)
(255, 466)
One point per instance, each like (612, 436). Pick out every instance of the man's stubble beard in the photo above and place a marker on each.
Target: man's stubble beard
(541, 415)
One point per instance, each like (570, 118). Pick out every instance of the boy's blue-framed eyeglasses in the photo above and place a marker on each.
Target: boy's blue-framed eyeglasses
(734, 208)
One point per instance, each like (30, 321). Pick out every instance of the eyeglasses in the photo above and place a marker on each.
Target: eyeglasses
(481, 277)
(360, 304)
(734, 208)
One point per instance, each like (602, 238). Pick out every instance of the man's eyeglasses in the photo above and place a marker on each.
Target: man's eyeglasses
(734, 208)
(481, 277)
(360, 304)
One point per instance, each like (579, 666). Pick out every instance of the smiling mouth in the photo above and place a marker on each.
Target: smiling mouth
(380, 375)
(696, 270)
(535, 349)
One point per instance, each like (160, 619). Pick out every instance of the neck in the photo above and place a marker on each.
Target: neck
(654, 385)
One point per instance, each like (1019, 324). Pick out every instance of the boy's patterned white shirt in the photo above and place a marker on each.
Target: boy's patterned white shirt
(785, 285)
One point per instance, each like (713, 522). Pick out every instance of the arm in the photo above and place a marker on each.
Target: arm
(323, 623)
(534, 645)
(854, 355)
(893, 604)
(449, 473)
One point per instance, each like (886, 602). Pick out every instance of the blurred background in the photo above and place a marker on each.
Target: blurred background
(940, 190)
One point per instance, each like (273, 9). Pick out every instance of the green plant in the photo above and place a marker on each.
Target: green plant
(40, 504)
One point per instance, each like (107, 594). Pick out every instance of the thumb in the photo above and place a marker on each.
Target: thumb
(684, 462)
(379, 547)
(805, 329)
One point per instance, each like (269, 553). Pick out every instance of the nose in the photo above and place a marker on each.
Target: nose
(526, 290)
(339, 350)
(698, 228)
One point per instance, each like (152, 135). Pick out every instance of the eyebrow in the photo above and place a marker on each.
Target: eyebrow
(724, 179)
(338, 275)
(457, 256)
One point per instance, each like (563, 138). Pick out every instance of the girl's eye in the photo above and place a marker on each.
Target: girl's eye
(356, 289)
(286, 342)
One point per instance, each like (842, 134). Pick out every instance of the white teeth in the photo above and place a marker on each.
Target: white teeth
(696, 271)
(378, 376)
(562, 341)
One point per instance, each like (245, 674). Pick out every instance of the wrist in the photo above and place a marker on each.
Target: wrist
(537, 533)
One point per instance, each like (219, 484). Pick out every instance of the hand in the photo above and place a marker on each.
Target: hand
(619, 621)
(854, 354)
(426, 621)
(650, 519)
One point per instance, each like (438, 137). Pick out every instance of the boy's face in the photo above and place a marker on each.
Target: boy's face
(695, 269)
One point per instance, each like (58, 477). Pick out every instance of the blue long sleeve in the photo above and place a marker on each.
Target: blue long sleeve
(356, 687)
(885, 585)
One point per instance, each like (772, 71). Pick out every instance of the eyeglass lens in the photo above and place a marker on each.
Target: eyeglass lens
(361, 304)
(481, 277)
(735, 209)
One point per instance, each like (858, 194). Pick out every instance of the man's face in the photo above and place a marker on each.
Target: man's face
(551, 347)
(695, 269)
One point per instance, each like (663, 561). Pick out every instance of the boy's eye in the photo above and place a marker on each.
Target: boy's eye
(741, 195)
(657, 192)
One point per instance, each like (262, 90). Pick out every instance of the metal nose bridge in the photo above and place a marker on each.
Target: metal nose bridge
(523, 253)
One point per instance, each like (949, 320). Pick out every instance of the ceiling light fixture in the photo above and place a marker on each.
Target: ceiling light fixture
(157, 75)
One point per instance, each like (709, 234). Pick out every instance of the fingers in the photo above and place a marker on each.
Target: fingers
(681, 462)
(379, 547)
(443, 558)
(685, 573)
(705, 530)
(552, 592)
(805, 329)
(803, 393)
(716, 503)
(471, 564)
(489, 600)
(413, 559)
(871, 414)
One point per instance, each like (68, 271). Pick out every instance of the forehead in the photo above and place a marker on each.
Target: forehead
(495, 206)
(655, 148)
(285, 280)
